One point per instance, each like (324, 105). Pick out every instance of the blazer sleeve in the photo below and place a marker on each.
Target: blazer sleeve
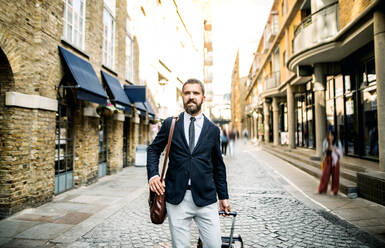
(156, 148)
(219, 169)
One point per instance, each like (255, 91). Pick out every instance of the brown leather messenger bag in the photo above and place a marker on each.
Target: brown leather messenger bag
(156, 202)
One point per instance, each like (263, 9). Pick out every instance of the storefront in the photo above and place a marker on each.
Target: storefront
(335, 111)
(359, 90)
(282, 125)
(305, 131)
(126, 139)
(102, 148)
(271, 130)
(64, 141)
(78, 85)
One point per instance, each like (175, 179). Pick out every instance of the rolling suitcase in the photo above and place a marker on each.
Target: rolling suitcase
(228, 241)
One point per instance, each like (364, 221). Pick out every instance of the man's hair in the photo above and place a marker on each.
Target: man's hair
(195, 81)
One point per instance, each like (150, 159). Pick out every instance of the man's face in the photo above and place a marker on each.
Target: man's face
(192, 98)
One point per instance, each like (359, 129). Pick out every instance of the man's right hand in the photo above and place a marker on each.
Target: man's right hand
(157, 186)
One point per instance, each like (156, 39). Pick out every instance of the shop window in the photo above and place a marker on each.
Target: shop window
(64, 142)
(141, 130)
(335, 105)
(371, 72)
(348, 84)
(299, 139)
(362, 76)
(102, 148)
(126, 141)
(369, 119)
(74, 22)
(310, 128)
(108, 34)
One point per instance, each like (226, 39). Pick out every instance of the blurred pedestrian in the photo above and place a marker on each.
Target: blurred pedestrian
(332, 150)
(245, 134)
(232, 137)
(224, 141)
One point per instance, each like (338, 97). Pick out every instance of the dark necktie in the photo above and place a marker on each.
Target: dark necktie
(191, 134)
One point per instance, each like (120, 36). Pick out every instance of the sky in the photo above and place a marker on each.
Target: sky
(236, 24)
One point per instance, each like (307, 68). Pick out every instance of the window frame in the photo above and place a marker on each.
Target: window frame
(129, 66)
(65, 35)
(108, 45)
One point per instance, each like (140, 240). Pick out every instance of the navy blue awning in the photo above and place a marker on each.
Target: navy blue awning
(136, 93)
(89, 87)
(142, 109)
(150, 111)
(118, 97)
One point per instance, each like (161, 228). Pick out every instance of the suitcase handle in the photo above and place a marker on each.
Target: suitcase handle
(232, 213)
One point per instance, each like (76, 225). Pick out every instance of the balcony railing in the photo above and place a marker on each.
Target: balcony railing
(272, 81)
(316, 28)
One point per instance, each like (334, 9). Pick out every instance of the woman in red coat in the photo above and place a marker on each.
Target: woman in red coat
(332, 150)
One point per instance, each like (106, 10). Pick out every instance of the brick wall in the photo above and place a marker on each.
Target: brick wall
(27, 135)
(115, 145)
(133, 139)
(86, 148)
(30, 33)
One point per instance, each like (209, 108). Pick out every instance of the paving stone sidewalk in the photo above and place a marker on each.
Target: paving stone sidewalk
(272, 212)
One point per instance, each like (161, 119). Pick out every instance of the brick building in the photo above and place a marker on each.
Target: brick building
(73, 97)
(317, 68)
(237, 100)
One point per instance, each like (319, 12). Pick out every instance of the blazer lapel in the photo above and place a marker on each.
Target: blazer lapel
(180, 127)
(203, 131)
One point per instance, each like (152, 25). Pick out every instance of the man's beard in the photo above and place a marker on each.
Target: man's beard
(192, 109)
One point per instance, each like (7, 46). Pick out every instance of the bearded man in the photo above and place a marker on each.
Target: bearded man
(196, 173)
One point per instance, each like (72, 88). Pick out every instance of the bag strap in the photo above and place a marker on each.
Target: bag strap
(174, 119)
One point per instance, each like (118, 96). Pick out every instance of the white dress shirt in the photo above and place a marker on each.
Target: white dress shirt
(198, 124)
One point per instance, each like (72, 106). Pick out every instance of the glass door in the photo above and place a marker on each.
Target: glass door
(126, 138)
(102, 148)
(64, 144)
(310, 119)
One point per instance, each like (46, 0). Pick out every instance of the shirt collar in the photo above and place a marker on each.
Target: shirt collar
(198, 117)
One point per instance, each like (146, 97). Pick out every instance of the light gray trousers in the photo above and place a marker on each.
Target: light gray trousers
(206, 219)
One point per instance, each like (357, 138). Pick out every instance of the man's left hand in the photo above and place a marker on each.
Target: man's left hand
(224, 205)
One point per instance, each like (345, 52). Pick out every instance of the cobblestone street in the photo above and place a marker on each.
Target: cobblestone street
(269, 214)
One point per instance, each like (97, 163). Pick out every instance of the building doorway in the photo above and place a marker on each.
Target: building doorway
(305, 128)
(102, 147)
(126, 141)
(360, 102)
(64, 141)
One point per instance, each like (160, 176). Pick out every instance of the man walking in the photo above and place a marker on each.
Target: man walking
(232, 136)
(196, 173)
(245, 135)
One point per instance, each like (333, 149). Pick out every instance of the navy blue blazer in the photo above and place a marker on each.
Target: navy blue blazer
(204, 165)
